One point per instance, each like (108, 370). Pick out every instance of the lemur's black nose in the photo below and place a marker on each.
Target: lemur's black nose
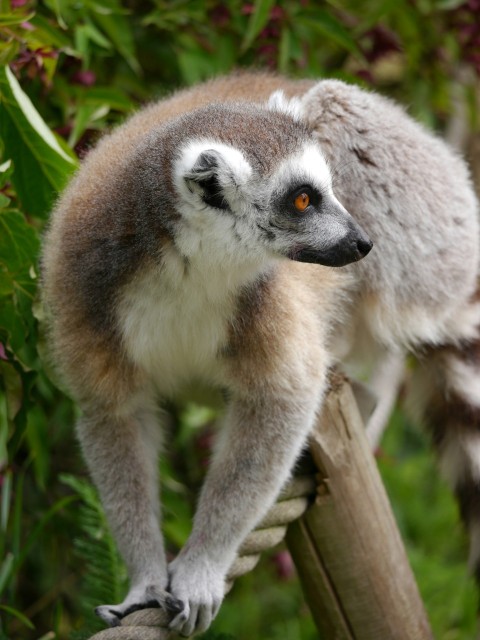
(364, 246)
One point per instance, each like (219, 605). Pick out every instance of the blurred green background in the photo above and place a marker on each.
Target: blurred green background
(69, 70)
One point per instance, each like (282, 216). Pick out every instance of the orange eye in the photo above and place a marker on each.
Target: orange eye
(301, 202)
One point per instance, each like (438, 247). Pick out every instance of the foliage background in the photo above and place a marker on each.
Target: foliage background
(69, 70)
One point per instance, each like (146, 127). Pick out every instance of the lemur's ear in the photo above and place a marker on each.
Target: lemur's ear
(211, 173)
(206, 165)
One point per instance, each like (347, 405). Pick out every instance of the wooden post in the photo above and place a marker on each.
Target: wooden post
(347, 549)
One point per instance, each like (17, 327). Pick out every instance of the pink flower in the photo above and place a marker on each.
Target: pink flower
(220, 15)
(85, 78)
(366, 75)
(267, 50)
(382, 41)
(277, 13)
(284, 565)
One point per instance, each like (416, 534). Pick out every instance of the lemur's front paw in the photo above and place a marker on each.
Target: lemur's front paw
(200, 586)
(139, 597)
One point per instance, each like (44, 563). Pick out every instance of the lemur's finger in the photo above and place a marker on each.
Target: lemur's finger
(109, 614)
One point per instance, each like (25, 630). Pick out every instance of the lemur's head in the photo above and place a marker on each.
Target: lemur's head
(251, 181)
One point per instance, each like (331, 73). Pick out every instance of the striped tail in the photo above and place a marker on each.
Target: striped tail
(447, 384)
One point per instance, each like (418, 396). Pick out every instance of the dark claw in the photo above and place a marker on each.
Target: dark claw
(113, 622)
(116, 621)
(173, 605)
(150, 604)
(180, 619)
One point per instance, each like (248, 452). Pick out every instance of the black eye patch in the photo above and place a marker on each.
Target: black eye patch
(299, 200)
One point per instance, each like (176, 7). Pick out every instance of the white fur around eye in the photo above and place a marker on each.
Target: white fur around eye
(307, 166)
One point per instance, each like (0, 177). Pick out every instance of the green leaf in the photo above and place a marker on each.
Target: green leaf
(378, 11)
(5, 504)
(6, 570)
(11, 565)
(284, 50)
(87, 115)
(18, 505)
(37, 438)
(19, 246)
(448, 5)
(110, 96)
(86, 33)
(50, 34)
(10, 19)
(11, 322)
(59, 7)
(257, 21)
(17, 614)
(3, 431)
(19, 243)
(6, 170)
(42, 166)
(328, 26)
(194, 63)
(117, 28)
(105, 578)
(8, 51)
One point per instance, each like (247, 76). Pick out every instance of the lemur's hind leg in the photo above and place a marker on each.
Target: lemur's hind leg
(446, 389)
(385, 383)
(122, 455)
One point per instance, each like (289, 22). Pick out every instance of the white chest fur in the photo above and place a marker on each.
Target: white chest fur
(175, 319)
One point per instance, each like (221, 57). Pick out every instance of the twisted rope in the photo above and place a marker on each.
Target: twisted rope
(152, 624)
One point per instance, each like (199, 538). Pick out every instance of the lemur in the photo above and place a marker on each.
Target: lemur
(221, 235)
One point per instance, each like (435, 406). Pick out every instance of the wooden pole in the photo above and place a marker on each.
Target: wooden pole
(347, 549)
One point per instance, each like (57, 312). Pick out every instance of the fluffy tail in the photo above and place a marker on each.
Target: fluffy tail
(447, 386)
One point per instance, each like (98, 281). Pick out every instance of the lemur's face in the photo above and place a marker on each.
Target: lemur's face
(305, 220)
(227, 206)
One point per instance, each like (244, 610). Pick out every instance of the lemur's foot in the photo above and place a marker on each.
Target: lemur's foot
(199, 587)
(146, 597)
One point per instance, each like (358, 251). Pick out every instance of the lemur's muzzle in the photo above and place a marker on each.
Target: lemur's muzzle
(335, 241)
